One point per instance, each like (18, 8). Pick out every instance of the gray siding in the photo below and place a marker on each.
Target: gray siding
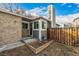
(36, 34)
(44, 34)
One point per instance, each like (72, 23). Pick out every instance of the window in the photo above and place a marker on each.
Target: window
(25, 25)
(36, 25)
(44, 25)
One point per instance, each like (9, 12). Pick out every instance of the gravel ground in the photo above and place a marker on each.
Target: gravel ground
(55, 49)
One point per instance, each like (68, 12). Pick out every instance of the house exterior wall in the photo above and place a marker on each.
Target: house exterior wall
(10, 28)
(44, 31)
(25, 32)
(44, 34)
(36, 34)
(76, 23)
(40, 33)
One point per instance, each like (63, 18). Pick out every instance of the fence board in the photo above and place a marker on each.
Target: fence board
(69, 36)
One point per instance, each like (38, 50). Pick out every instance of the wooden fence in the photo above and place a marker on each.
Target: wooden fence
(69, 36)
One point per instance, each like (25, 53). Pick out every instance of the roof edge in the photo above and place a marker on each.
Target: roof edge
(8, 12)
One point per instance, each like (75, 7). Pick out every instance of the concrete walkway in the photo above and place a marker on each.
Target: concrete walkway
(10, 46)
(17, 44)
(29, 39)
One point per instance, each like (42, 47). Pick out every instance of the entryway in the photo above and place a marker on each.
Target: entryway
(31, 29)
(28, 39)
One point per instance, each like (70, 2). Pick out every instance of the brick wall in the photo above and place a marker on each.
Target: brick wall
(10, 28)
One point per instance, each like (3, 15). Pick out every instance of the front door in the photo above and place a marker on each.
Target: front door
(31, 29)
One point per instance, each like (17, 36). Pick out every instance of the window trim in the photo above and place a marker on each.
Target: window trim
(38, 25)
(26, 23)
(46, 24)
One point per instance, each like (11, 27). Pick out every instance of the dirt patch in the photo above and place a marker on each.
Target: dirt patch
(38, 46)
(55, 49)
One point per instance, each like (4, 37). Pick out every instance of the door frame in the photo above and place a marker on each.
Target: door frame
(32, 28)
(27, 28)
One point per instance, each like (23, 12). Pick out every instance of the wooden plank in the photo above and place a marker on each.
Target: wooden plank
(64, 35)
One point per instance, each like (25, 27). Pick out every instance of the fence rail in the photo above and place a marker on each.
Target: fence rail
(69, 36)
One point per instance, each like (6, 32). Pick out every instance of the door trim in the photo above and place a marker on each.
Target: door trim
(32, 28)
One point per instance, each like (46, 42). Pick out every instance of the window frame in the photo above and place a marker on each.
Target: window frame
(38, 25)
(26, 23)
(42, 23)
